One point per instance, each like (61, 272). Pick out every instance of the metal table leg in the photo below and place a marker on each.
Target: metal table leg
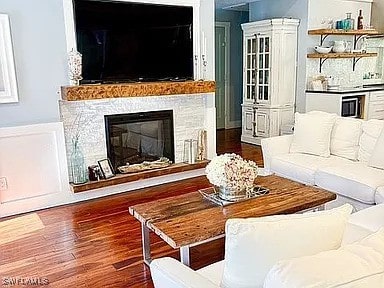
(314, 209)
(146, 243)
(184, 255)
(321, 208)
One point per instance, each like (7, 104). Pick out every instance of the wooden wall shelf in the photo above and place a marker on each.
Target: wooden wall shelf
(340, 55)
(342, 32)
(355, 56)
(357, 34)
(125, 178)
(142, 89)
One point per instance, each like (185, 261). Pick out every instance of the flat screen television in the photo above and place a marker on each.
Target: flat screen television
(126, 41)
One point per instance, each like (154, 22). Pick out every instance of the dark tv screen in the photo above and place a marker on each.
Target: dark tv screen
(126, 41)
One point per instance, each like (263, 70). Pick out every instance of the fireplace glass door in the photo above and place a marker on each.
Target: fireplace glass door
(137, 137)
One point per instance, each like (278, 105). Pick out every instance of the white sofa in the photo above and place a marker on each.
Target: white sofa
(170, 273)
(346, 171)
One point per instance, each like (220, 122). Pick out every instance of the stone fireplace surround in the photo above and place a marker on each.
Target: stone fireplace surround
(191, 112)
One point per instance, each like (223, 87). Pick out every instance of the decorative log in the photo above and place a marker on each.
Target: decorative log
(102, 91)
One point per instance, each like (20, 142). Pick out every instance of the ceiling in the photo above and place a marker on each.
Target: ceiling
(238, 5)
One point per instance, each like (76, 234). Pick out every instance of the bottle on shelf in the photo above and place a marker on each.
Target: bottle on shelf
(360, 20)
(349, 23)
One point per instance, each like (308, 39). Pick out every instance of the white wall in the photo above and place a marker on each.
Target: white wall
(37, 29)
(377, 15)
(336, 10)
(298, 9)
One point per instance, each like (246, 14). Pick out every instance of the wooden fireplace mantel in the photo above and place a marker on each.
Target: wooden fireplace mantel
(142, 89)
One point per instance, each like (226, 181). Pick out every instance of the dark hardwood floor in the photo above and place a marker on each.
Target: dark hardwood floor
(97, 243)
(229, 141)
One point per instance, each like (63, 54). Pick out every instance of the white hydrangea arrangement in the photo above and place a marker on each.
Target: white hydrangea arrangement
(231, 171)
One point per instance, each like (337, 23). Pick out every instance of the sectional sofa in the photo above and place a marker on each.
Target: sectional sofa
(357, 263)
(342, 155)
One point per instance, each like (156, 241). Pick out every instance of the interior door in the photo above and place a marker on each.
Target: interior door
(220, 76)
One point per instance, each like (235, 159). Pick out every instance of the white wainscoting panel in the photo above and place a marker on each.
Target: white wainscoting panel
(33, 162)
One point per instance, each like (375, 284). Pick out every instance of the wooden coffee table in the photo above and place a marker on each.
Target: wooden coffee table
(189, 220)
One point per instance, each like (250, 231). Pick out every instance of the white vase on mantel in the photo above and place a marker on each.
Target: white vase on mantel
(75, 67)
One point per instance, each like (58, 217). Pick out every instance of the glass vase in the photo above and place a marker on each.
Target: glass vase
(78, 168)
(231, 194)
(349, 23)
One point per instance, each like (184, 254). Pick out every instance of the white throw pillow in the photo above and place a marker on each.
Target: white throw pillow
(344, 267)
(254, 245)
(377, 157)
(312, 134)
(371, 132)
(345, 137)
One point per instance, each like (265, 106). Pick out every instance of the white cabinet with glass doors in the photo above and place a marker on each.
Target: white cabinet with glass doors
(269, 79)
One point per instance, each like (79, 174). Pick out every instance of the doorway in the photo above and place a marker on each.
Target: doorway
(222, 78)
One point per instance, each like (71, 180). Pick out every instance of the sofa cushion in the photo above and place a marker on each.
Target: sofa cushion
(371, 218)
(377, 157)
(354, 180)
(213, 272)
(345, 137)
(371, 132)
(354, 233)
(254, 245)
(379, 196)
(350, 265)
(312, 134)
(168, 272)
(302, 167)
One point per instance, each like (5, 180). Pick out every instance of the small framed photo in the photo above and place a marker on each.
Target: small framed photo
(106, 168)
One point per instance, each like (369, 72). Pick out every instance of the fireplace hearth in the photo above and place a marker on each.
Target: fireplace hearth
(137, 137)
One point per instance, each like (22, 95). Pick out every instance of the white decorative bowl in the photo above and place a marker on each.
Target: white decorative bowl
(323, 50)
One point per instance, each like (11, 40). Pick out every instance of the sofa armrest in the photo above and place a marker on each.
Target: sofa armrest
(169, 273)
(274, 146)
(371, 218)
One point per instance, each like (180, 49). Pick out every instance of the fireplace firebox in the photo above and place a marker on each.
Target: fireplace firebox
(137, 137)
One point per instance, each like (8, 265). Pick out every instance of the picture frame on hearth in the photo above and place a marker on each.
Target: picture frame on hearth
(106, 168)
(8, 85)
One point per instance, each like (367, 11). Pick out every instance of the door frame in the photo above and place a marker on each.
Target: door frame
(227, 28)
